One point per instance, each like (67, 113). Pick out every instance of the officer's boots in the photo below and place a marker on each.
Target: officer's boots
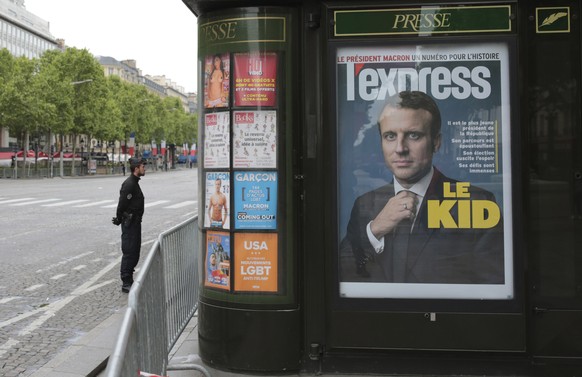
(127, 281)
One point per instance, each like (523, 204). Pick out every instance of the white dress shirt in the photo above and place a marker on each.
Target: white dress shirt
(419, 188)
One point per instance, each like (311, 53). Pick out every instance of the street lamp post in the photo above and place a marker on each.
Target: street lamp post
(82, 142)
(74, 83)
(51, 159)
(90, 148)
(62, 170)
(15, 162)
(112, 145)
(35, 140)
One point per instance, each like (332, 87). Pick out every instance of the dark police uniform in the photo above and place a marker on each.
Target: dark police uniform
(130, 210)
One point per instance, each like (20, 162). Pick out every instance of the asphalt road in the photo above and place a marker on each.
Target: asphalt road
(60, 257)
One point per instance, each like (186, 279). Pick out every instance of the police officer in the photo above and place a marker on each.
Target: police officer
(129, 214)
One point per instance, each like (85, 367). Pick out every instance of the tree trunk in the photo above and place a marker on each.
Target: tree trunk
(74, 152)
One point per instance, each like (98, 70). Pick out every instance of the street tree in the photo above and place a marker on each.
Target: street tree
(88, 92)
(21, 103)
(55, 91)
(8, 71)
(67, 93)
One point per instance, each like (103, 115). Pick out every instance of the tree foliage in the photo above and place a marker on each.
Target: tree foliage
(67, 93)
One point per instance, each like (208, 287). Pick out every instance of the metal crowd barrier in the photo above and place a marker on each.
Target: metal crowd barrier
(162, 301)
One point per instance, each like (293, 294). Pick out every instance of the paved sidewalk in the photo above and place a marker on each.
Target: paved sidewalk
(88, 356)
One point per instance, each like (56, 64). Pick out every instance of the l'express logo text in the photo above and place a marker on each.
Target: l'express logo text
(219, 31)
(460, 82)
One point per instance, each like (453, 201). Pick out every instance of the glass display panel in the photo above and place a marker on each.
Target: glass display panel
(424, 171)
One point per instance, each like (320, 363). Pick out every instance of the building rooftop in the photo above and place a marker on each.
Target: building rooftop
(15, 12)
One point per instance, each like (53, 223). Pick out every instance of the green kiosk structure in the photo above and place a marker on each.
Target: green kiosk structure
(390, 187)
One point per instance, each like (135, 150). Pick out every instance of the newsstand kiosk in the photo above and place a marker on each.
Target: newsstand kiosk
(249, 288)
(318, 120)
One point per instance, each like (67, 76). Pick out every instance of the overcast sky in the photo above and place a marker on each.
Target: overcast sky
(161, 35)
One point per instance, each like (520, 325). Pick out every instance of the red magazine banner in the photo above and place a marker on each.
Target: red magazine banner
(255, 79)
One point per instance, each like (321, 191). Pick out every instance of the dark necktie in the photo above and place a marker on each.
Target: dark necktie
(400, 250)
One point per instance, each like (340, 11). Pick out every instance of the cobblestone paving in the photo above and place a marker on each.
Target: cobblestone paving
(60, 263)
(34, 328)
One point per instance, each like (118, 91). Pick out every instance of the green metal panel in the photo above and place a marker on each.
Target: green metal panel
(431, 20)
(429, 331)
(256, 30)
(263, 29)
(238, 326)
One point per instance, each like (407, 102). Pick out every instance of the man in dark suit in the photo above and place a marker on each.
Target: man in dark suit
(424, 227)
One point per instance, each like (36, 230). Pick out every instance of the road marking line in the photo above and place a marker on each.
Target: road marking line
(65, 203)
(79, 267)
(19, 234)
(99, 286)
(155, 203)
(183, 204)
(188, 214)
(21, 317)
(34, 287)
(34, 202)
(67, 260)
(57, 277)
(8, 345)
(93, 204)
(16, 200)
(7, 299)
(53, 308)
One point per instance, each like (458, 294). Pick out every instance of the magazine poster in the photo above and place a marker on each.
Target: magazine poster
(217, 260)
(217, 203)
(255, 258)
(217, 140)
(216, 80)
(255, 79)
(455, 181)
(255, 200)
(255, 139)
